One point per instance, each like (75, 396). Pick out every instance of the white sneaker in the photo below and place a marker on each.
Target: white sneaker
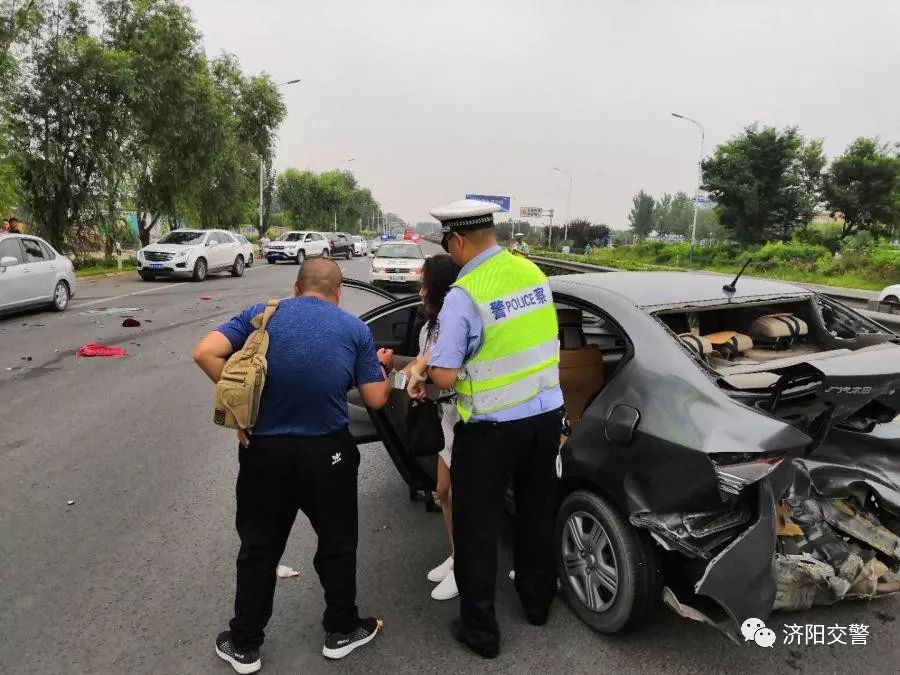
(440, 572)
(446, 590)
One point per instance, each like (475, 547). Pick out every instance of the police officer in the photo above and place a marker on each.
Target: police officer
(499, 349)
(300, 456)
(520, 246)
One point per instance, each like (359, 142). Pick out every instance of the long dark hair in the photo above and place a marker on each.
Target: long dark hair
(438, 275)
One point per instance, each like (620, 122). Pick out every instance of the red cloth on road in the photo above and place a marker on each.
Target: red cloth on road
(96, 349)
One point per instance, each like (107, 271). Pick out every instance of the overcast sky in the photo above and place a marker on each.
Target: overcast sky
(436, 98)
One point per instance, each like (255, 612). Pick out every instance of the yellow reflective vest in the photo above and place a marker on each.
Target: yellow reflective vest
(519, 356)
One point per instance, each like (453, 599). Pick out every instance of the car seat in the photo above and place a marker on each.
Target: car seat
(698, 344)
(729, 344)
(580, 364)
(778, 336)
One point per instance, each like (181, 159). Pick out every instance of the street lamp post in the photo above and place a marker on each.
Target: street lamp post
(699, 179)
(568, 201)
(262, 168)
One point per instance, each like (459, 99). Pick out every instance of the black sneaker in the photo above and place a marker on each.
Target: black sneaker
(242, 660)
(338, 645)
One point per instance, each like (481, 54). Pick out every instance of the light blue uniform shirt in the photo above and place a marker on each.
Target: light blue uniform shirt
(461, 335)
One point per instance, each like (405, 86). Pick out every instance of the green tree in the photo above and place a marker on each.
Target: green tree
(765, 181)
(662, 214)
(67, 121)
(177, 132)
(864, 185)
(641, 215)
(19, 19)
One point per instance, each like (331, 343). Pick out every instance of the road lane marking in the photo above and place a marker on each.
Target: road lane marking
(112, 298)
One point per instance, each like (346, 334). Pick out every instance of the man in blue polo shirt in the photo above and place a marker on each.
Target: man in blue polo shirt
(300, 456)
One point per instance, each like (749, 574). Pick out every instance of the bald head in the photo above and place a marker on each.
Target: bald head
(320, 277)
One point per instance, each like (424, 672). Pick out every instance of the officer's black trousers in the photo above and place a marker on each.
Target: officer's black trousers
(278, 476)
(485, 457)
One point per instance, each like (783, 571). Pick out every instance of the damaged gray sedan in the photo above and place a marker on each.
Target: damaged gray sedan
(730, 450)
(741, 456)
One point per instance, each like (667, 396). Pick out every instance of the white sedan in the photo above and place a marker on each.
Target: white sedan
(33, 273)
(891, 294)
(397, 262)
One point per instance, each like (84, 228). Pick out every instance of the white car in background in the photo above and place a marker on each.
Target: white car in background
(891, 295)
(32, 273)
(248, 249)
(296, 246)
(397, 262)
(360, 245)
(192, 254)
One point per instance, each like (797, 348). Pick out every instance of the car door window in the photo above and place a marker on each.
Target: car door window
(33, 251)
(48, 251)
(9, 248)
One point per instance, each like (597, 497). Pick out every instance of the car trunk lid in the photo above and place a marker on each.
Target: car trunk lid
(859, 388)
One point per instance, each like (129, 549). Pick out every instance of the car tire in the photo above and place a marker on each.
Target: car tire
(891, 300)
(237, 269)
(271, 261)
(301, 256)
(326, 253)
(146, 276)
(200, 270)
(625, 557)
(61, 296)
(250, 261)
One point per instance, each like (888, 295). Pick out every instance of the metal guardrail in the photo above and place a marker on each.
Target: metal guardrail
(847, 296)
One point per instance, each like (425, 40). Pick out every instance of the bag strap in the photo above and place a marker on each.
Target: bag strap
(261, 320)
(271, 306)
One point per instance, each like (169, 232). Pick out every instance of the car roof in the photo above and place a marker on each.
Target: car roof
(673, 289)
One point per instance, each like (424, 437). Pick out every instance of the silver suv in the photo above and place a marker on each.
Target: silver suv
(32, 273)
(192, 254)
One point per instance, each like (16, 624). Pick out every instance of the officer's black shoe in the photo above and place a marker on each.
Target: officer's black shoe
(242, 660)
(338, 645)
(486, 650)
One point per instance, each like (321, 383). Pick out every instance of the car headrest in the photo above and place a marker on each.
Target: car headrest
(696, 343)
(730, 343)
(571, 333)
(779, 326)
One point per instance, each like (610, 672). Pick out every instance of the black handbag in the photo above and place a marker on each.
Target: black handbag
(424, 435)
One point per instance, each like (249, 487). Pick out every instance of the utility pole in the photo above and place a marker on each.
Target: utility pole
(699, 179)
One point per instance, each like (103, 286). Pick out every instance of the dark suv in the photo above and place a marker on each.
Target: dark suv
(340, 244)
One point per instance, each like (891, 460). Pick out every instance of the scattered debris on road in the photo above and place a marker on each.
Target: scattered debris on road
(206, 297)
(96, 349)
(286, 572)
(131, 323)
(120, 311)
(71, 502)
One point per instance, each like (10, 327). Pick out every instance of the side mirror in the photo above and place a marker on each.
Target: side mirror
(8, 261)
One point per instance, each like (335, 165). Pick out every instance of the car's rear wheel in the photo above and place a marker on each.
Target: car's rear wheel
(301, 256)
(609, 570)
(61, 296)
(237, 269)
(892, 300)
(326, 253)
(146, 276)
(200, 270)
(250, 261)
(271, 261)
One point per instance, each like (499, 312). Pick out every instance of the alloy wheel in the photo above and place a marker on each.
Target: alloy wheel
(590, 562)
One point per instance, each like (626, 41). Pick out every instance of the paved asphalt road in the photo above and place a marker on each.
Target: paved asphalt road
(138, 575)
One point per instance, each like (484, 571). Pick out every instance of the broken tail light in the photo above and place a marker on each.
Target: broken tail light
(736, 471)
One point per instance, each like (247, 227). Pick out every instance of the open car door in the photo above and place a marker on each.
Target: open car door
(395, 324)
